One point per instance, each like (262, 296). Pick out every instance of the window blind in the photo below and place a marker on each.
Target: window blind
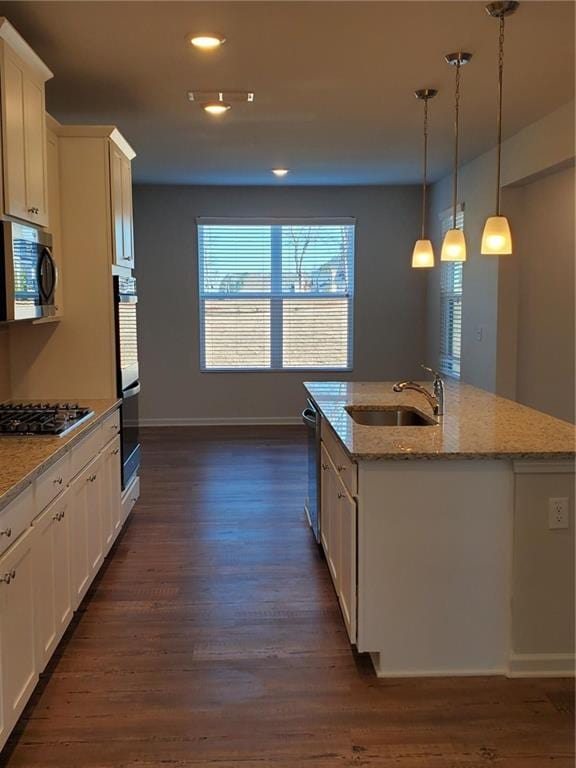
(276, 294)
(451, 274)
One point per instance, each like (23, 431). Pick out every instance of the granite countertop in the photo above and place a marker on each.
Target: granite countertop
(476, 424)
(23, 459)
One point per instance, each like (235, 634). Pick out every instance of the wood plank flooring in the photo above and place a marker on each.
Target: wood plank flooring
(213, 638)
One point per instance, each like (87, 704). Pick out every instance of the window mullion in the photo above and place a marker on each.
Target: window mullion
(276, 319)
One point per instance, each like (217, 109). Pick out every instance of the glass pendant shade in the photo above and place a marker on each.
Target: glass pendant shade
(454, 246)
(496, 238)
(423, 254)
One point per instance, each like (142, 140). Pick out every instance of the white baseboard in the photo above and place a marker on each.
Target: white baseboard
(226, 421)
(541, 665)
(472, 672)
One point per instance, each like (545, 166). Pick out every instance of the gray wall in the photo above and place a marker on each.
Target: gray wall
(390, 311)
(545, 346)
(492, 293)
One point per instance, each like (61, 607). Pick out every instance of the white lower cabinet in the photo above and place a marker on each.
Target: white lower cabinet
(52, 575)
(19, 672)
(326, 501)
(58, 532)
(347, 564)
(338, 537)
(86, 529)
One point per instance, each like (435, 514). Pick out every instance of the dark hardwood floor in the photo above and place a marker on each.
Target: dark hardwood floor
(212, 637)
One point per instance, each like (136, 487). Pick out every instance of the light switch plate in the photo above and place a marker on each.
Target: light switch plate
(558, 516)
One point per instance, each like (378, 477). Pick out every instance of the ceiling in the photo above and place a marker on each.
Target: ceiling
(334, 82)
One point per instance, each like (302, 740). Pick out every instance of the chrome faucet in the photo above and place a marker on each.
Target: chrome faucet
(435, 398)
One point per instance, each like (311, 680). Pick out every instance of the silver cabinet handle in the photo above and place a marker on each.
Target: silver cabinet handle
(91, 478)
(115, 451)
(114, 426)
(6, 532)
(340, 467)
(34, 210)
(324, 466)
(58, 516)
(58, 481)
(340, 495)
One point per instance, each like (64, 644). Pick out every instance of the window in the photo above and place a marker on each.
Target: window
(276, 294)
(451, 305)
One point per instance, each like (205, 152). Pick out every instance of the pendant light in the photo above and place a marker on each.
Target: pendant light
(496, 238)
(423, 253)
(454, 245)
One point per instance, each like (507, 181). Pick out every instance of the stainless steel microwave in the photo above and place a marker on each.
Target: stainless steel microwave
(28, 275)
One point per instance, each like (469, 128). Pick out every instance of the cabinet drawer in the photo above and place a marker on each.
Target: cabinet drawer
(16, 518)
(130, 497)
(347, 469)
(85, 451)
(52, 482)
(110, 427)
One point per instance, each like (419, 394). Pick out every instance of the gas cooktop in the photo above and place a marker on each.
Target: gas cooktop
(54, 419)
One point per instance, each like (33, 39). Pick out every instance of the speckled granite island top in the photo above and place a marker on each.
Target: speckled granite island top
(22, 459)
(476, 424)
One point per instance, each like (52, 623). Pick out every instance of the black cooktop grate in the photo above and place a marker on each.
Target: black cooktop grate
(41, 418)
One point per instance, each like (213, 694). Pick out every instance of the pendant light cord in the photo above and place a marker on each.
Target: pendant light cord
(456, 139)
(425, 169)
(499, 143)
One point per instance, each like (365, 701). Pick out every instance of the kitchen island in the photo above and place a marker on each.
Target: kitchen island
(442, 539)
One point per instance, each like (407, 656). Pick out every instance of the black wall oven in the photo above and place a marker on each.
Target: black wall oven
(127, 375)
(28, 275)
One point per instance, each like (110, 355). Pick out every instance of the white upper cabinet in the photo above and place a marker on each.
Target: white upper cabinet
(24, 164)
(121, 192)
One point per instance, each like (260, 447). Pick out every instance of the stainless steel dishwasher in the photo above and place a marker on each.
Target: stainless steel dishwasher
(311, 418)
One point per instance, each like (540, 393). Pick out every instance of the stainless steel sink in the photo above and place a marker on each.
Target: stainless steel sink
(393, 416)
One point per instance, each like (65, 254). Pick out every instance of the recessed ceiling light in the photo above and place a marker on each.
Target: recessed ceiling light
(280, 171)
(216, 107)
(207, 42)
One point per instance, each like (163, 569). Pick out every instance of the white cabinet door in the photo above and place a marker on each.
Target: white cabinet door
(17, 638)
(52, 570)
(111, 493)
(338, 536)
(122, 216)
(335, 533)
(117, 205)
(330, 533)
(23, 141)
(127, 214)
(85, 529)
(35, 151)
(13, 152)
(94, 483)
(325, 498)
(347, 559)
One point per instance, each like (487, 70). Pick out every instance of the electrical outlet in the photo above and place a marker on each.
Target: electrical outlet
(558, 513)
